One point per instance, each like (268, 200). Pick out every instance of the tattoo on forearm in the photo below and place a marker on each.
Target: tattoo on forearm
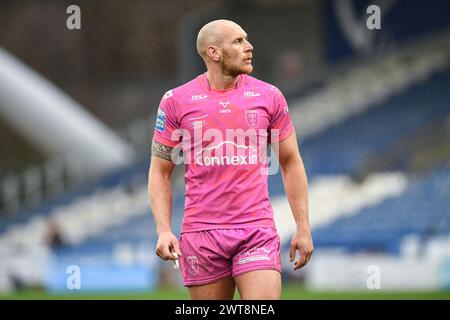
(161, 151)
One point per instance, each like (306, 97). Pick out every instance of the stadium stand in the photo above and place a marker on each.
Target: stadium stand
(424, 209)
(340, 148)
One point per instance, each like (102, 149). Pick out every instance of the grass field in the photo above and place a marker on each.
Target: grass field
(289, 293)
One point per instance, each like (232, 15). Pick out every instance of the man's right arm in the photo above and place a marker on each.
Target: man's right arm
(160, 197)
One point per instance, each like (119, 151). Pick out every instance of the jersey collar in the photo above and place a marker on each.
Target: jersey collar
(203, 81)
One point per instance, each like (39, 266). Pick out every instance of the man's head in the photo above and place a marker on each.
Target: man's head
(223, 44)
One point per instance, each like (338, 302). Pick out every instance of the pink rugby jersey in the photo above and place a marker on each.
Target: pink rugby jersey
(224, 136)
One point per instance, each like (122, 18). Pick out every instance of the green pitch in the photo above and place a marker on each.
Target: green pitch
(290, 292)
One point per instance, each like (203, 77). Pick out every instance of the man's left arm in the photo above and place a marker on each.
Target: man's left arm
(296, 188)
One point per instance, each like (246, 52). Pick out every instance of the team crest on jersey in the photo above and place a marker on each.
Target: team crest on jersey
(192, 262)
(252, 118)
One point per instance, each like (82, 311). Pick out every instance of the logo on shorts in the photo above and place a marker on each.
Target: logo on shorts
(192, 262)
(254, 254)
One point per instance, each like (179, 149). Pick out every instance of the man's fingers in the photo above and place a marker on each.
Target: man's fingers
(176, 246)
(303, 260)
(292, 252)
(160, 254)
(308, 257)
(300, 263)
(167, 253)
(163, 251)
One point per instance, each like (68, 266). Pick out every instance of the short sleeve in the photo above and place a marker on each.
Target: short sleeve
(166, 122)
(281, 125)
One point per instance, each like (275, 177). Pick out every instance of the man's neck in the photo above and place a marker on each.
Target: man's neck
(219, 81)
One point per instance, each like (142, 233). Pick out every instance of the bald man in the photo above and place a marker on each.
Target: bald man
(223, 121)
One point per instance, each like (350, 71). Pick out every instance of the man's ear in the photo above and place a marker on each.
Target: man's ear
(213, 53)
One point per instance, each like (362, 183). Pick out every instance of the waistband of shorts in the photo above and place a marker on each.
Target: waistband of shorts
(228, 227)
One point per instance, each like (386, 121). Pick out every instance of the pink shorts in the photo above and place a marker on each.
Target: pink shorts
(211, 255)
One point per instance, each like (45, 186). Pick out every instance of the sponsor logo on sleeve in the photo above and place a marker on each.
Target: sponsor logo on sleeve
(161, 120)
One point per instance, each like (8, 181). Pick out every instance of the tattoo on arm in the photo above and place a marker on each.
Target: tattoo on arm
(161, 151)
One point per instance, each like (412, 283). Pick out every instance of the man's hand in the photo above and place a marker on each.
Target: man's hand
(167, 243)
(302, 241)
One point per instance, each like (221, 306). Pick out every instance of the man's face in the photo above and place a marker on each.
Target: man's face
(236, 53)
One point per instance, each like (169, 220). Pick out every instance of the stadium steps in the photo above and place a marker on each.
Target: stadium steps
(82, 213)
(354, 89)
(341, 149)
(426, 148)
(424, 209)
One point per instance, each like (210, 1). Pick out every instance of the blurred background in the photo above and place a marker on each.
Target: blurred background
(371, 108)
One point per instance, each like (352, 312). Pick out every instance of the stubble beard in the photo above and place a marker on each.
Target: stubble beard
(230, 69)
